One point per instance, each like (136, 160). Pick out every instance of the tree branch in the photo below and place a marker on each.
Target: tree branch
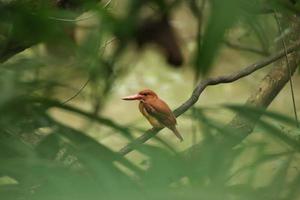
(212, 81)
(270, 86)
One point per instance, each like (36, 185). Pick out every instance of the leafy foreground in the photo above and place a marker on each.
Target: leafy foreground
(67, 164)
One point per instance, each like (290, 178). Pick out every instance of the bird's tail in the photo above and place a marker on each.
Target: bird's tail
(175, 131)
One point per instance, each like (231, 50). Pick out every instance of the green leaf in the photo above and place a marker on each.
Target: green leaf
(223, 16)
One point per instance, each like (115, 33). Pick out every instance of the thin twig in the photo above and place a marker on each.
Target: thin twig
(88, 80)
(245, 48)
(289, 69)
(212, 81)
(78, 92)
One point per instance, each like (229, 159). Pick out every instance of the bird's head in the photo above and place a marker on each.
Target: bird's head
(143, 95)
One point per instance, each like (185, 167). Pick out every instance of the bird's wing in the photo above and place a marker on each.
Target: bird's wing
(161, 111)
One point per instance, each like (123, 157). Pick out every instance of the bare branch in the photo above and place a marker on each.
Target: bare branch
(269, 88)
(212, 81)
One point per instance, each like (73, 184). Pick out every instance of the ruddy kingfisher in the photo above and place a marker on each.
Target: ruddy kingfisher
(156, 111)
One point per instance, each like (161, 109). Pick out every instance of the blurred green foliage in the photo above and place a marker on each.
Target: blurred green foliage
(43, 158)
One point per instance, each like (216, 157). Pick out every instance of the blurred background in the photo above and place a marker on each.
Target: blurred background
(66, 64)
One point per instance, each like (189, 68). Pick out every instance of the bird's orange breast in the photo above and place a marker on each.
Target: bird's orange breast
(153, 121)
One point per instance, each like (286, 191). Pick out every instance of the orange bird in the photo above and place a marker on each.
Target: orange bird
(156, 111)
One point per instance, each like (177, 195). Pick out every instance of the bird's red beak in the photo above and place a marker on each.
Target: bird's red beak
(133, 97)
